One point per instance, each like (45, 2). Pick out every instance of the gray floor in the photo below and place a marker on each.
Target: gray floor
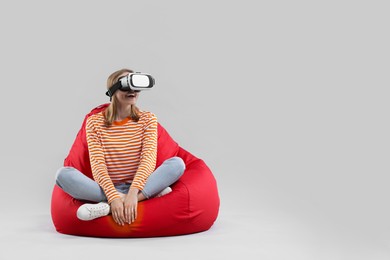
(237, 234)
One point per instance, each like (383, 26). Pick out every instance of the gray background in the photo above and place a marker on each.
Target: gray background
(286, 101)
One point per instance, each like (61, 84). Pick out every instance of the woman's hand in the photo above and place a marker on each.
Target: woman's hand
(130, 205)
(117, 211)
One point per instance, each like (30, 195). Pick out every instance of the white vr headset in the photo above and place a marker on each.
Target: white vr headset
(136, 82)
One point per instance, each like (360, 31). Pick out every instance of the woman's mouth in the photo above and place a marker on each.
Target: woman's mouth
(131, 95)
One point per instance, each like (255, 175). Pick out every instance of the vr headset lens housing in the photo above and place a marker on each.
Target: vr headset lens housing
(140, 81)
(133, 81)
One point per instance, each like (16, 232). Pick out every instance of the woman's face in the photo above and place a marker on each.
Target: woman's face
(126, 97)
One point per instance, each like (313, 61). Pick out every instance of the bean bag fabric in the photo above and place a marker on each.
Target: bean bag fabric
(191, 207)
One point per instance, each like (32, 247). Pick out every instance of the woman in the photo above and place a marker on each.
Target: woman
(122, 144)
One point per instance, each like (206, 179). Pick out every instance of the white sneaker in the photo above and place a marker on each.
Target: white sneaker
(91, 211)
(164, 192)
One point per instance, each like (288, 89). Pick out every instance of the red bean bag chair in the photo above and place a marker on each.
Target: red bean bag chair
(191, 207)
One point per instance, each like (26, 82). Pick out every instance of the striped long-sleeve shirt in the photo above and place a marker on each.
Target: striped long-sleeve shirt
(122, 153)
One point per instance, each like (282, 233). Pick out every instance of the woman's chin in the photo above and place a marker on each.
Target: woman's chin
(131, 100)
(128, 102)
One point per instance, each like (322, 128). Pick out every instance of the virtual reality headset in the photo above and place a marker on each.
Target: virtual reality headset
(136, 82)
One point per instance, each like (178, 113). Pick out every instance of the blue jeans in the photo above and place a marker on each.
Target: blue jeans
(79, 186)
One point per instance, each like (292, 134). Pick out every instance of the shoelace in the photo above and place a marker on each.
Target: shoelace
(97, 211)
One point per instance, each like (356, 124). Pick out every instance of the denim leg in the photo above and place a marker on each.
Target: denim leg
(122, 187)
(165, 175)
(79, 186)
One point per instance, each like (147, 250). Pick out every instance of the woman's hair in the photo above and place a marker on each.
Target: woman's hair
(110, 112)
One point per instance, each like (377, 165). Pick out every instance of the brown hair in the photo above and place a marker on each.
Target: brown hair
(110, 112)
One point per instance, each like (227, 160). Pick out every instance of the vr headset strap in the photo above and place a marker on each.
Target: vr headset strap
(113, 89)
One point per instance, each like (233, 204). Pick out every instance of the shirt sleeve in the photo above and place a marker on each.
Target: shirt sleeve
(148, 153)
(98, 163)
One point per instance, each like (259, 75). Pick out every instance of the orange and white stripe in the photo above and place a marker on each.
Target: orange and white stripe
(122, 153)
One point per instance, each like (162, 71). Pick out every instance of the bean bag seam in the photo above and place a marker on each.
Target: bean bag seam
(188, 201)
